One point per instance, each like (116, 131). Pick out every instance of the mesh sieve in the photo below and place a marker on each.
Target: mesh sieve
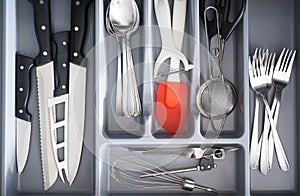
(217, 97)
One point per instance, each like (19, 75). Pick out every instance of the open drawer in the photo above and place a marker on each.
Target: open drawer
(269, 24)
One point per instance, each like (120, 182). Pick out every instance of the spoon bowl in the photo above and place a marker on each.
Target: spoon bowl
(122, 15)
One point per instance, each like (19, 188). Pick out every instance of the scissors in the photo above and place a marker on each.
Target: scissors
(219, 28)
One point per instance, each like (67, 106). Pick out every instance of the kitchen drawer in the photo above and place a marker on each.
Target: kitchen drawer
(269, 24)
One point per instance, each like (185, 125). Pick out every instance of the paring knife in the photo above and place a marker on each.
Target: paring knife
(45, 86)
(172, 94)
(61, 101)
(23, 117)
(77, 85)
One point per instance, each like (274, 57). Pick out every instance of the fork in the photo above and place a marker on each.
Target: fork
(265, 63)
(258, 57)
(281, 78)
(259, 79)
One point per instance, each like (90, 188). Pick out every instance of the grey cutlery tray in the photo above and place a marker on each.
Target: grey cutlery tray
(270, 24)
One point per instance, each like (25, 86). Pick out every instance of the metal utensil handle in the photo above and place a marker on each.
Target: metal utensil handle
(282, 159)
(267, 129)
(119, 87)
(271, 137)
(254, 152)
(169, 172)
(221, 126)
(125, 97)
(264, 156)
(136, 101)
(227, 26)
(207, 41)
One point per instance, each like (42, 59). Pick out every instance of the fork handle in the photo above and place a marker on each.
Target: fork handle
(282, 159)
(264, 156)
(254, 152)
(271, 137)
(275, 112)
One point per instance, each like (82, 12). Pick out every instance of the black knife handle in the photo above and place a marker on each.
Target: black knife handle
(23, 67)
(78, 29)
(42, 24)
(61, 63)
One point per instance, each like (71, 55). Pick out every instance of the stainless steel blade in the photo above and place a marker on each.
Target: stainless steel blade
(45, 85)
(55, 127)
(23, 142)
(77, 90)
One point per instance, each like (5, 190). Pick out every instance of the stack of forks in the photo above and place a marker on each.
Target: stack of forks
(263, 75)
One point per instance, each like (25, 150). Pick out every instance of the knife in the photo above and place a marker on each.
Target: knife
(45, 86)
(60, 100)
(23, 117)
(77, 85)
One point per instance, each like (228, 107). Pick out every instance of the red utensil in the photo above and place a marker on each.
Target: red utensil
(171, 102)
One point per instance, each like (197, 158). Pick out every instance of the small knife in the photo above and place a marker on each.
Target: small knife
(23, 117)
(45, 86)
(61, 98)
(77, 85)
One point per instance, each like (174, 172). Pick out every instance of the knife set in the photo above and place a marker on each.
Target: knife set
(61, 92)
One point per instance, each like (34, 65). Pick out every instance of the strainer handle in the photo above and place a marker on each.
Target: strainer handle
(221, 126)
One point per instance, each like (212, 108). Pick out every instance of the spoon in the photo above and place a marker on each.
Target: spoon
(121, 21)
(119, 88)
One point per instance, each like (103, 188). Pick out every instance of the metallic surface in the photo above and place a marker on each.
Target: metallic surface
(23, 142)
(45, 85)
(77, 93)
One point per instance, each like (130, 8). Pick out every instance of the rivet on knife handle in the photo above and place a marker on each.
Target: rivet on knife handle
(43, 30)
(78, 28)
(23, 67)
(61, 63)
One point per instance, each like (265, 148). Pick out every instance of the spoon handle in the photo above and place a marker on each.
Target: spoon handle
(119, 88)
(134, 94)
(124, 61)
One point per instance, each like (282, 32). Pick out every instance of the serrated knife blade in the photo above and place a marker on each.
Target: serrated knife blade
(45, 86)
(77, 86)
(23, 117)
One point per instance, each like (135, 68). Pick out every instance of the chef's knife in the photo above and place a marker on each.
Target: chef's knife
(59, 104)
(45, 86)
(77, 85)
(23, 117)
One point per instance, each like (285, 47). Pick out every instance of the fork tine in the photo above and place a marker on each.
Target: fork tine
(278, 64)
(289, 70)
(272, 64)
(287, 63)
(260, 54)
(251, 71)
(284, 61)
(257, 67)
(255, 53)
(268, 63)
